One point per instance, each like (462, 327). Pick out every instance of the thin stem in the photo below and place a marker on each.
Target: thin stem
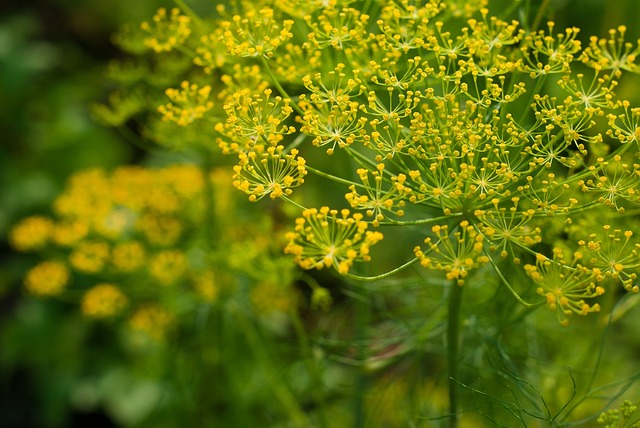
(279, 87)
(391, 222)
(539, 15)
(453, 338)
(506, 283)
(333, 177)
(281, 392)
(295, 204)
(383, 275)
(188, 11)
(363, 316)
(312, 366)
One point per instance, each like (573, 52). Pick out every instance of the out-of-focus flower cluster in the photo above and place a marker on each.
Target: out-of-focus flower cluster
(124, 244)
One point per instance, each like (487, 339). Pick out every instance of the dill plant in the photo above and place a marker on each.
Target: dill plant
(495, 144)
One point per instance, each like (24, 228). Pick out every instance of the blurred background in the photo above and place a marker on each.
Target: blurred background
(53, 60)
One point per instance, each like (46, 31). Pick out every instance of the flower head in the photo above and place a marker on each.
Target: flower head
(330, 238)
(269, 172)
(32, 233)
(455, 252)
(46, 279)
(565, 285)
(188, 103)
(167, 30)
(257, 34)
(103, 301)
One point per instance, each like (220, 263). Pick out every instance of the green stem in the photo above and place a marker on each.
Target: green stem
(188, 11)
(311, 364)
(539, 15)
(362, 320)
(383, 275)
(333, 177)
(453, 338)
(279, 87)
(281, 392)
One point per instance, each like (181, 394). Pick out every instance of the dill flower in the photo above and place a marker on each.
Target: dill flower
(565, 286)
(210, 55)
(152, 321)
(446, 115)
(168, 266)
(128, 256)
(46, 279)
(256, 119)
(623, 416)
(614, 182)
(614, 255)
(68, 233)
(206, 286)
(258, 33)
(378, 199)
(270, 172)
(330, 238)
(167, 30)
(90, 256)
(612, 53)
(103, 301)
(337, 27)
(32, 233)
(454, 253)
(188, 103)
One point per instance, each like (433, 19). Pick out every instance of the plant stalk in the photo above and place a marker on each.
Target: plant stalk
(453, 339)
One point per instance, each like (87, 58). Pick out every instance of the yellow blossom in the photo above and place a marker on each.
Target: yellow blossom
(89, 256)
(258, 33)
(128, 256)
(189, 103)
(269, 172)
(168, 266)
(152, 321)
(48, 278)
(32, 233)
(330, 238)
(103, 301)
(167, 30)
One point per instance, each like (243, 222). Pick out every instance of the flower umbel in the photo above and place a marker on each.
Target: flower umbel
(167, 30)
(330, 238)
(456, 253)
(269, 172)
(188, 103)
(565, 286)
(257, 34)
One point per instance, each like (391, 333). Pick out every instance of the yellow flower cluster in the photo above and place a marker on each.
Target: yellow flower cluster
(134, 238)
(103, 301)
(255, 119)
(257, 34)
(33, 233)
(612, 254)
(565, 286)
(114, 225)
(188, 103)
(455, 253)
(48, 278)
(167, 30)
(378, 199)
(152, 321)
(330, 238)
(270, 172)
